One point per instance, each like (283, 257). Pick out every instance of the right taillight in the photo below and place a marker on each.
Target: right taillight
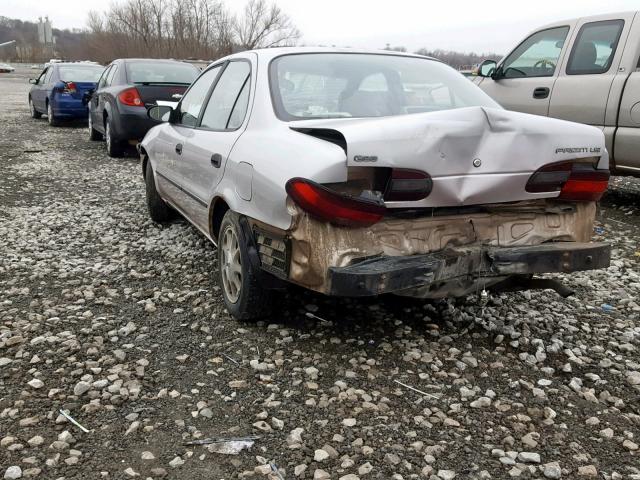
(130, 97)
(334, 207)
(576, 181)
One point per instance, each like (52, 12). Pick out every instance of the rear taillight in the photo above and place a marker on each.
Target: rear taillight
(576, 181)
(130, 97)
(407, 185)
(334, 207)
(69, 87)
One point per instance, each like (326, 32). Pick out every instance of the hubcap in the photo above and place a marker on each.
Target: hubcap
(31, 106)
(107, 134)
(231, 265)
(49, 113)
(90, 126)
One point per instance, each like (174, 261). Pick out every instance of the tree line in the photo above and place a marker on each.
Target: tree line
(202, 29)
(183, 29)
(196, 29)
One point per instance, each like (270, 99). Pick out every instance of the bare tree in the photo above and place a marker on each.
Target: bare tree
(264, 25)
(186, 29)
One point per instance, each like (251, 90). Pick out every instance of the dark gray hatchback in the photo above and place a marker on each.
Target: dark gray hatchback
(118, 106)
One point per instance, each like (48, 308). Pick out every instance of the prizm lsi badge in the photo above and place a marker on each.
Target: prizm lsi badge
(365, 158)
(578, 150)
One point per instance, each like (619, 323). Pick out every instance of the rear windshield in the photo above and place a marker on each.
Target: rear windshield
(339, 85)
(80, 73)
(167, 73)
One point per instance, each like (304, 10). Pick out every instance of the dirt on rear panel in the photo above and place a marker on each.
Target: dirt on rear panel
(316, 246)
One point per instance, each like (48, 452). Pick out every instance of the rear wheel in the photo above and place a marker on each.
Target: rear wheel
(53, 121)
(94, 135)
(114, 146)
(159, 210)
(32, 109)
(244, 296)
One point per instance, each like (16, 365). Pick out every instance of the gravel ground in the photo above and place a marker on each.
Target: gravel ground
(120, 322)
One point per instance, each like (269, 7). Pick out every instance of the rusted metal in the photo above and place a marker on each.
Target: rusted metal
(317, 247)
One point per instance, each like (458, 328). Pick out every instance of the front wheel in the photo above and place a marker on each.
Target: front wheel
(114, 146)
(244, 296)
(32, 109)
(53, 121)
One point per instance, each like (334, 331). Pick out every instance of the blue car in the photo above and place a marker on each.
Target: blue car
(59, 90)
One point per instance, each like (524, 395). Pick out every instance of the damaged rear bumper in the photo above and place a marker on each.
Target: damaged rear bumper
(465, 265)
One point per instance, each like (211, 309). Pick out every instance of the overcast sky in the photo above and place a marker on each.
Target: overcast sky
(468, 25)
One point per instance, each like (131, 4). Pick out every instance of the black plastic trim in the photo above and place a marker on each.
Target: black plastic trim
(386, 274)
(184, 190)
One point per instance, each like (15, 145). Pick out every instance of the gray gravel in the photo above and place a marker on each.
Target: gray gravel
(119, 322)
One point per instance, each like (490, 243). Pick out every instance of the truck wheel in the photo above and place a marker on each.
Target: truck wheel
(114, 146)
(159, 210)
(244, 296)
(94, 135)
(53, 121)
(32, 109)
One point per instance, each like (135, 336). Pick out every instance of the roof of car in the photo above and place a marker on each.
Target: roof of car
(75, 64)
(589, 18)
(273, 52)
(158, 60)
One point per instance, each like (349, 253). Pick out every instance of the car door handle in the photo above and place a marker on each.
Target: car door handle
(179, 149)
(541, 92)
(216, 160)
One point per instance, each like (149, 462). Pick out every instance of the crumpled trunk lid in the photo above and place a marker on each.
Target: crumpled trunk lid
(474, 155)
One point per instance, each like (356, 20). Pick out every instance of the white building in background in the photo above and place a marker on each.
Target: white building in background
(45, 32)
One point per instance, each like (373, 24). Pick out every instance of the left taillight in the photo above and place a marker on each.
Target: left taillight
(334, 207)
(130, 97)
(576, 181)
(69, 87)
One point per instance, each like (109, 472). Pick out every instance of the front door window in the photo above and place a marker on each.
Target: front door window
(537, 56)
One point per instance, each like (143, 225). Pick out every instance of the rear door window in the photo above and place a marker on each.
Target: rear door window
(47, 77)
(193, 101)
(537, 56)
(111, 76)
(595, 47)
(103, 79)
(226, 97)
(43, 75)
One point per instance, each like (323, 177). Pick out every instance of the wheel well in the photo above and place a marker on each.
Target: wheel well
(219, 208)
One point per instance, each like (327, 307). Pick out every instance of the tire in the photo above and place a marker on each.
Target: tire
(32, 109)
(94, 135)
(245, 298)
(114, 145)
(53, 121)
(159, 210)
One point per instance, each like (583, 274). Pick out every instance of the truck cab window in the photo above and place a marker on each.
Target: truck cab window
(537, 56)
(595, 47)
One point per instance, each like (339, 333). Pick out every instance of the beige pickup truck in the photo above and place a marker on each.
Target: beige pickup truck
(585, 70)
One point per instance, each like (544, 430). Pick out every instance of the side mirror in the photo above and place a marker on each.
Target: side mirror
(161, 113)
(86, 97)
(33, 81)
(487, 68)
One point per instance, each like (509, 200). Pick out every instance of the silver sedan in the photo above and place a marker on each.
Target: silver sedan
(363, 173)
